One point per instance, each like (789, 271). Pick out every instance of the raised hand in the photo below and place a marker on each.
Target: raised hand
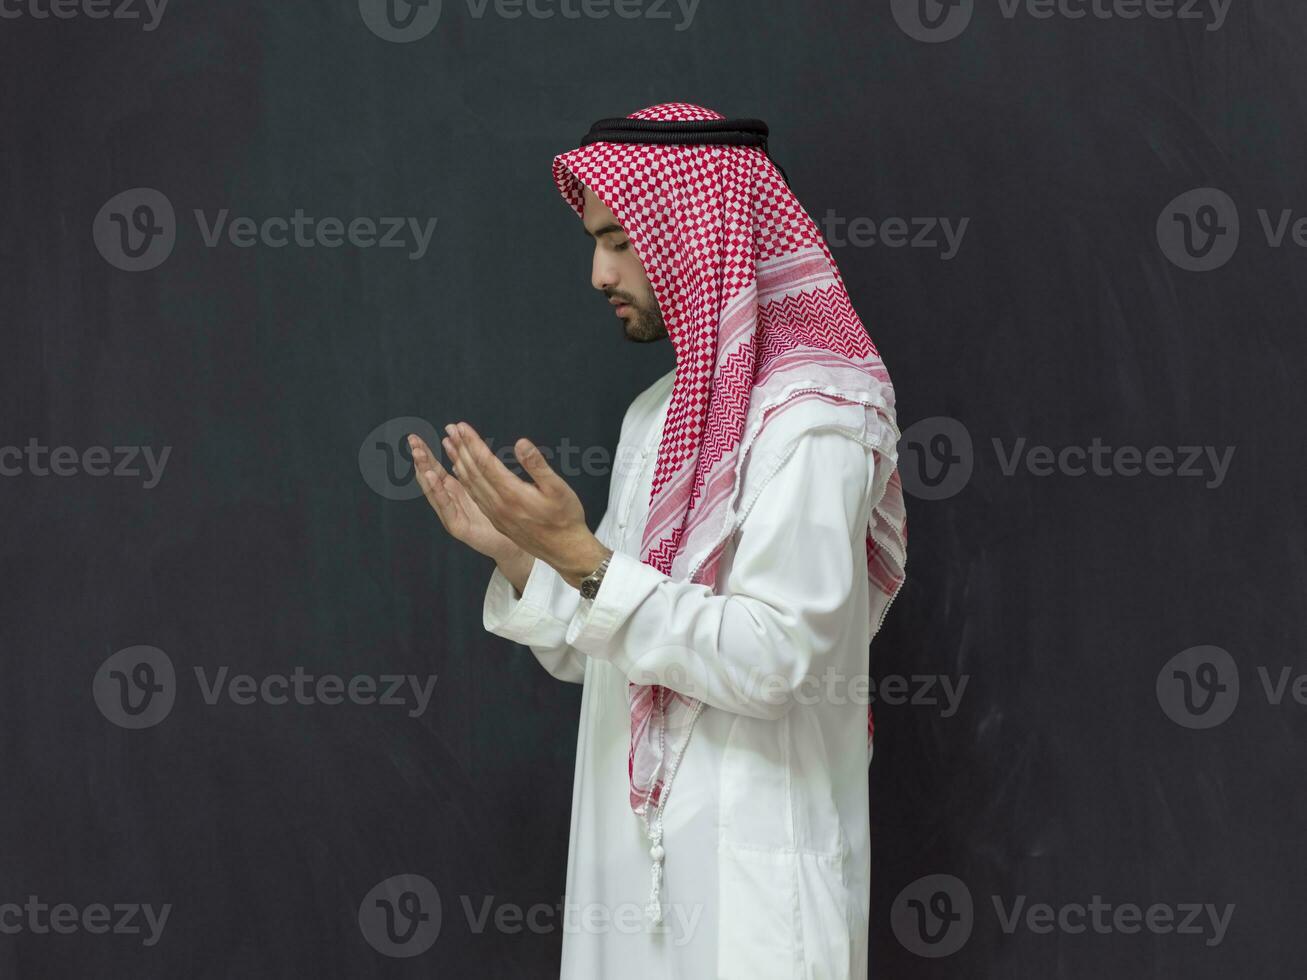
(543, 516)
(457, 511)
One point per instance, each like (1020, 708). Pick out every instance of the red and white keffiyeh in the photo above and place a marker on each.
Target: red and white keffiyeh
(757, 312)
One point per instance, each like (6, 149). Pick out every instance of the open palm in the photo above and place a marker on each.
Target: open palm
(457, 511)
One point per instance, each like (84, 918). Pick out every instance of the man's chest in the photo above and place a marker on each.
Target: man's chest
(632, 480)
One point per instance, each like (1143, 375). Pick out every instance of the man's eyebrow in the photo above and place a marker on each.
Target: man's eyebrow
(607, 229)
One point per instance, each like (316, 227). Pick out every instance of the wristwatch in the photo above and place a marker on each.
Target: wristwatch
(590, 584)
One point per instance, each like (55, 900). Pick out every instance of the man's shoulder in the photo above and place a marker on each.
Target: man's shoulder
(807, 413)
(832, 436)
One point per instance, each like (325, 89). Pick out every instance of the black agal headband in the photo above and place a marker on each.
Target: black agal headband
(688, 132)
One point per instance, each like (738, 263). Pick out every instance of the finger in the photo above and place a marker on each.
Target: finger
(455, 494)
(489, 467)
(464, 473)
(435, 484)
(417, 444)
(423, 458)
(440, 487)
(536, 466)
(486, 472)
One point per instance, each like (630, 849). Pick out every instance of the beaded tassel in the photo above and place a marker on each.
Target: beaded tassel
(655, 907)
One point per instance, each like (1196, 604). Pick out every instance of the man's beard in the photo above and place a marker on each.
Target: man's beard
(643, 325)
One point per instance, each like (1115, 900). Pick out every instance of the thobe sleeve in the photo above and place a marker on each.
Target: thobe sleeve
(782, 611)
(539, 618)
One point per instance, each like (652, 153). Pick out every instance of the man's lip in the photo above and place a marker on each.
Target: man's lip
(621, 309)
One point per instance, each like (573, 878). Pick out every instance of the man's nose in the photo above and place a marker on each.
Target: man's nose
(603, 273)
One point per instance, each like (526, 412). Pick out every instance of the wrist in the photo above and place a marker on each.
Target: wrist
(516, 567)
(510, 555)
(585, 560)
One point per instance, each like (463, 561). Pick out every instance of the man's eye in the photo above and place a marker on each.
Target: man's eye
(621, 247)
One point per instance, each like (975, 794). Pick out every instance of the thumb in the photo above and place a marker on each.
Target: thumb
(534, 462)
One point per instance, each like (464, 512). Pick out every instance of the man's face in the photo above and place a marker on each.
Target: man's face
(618, 273)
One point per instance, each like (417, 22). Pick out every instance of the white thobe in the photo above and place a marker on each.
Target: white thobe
(766, 834)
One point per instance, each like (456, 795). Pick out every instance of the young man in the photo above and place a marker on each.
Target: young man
(720, 616)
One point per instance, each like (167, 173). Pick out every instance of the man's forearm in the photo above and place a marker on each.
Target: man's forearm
(516, 567)
(579, 562)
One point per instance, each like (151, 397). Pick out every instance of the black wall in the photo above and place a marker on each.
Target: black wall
(1072, 309)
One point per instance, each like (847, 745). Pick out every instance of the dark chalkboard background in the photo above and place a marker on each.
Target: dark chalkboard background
(1083, 758)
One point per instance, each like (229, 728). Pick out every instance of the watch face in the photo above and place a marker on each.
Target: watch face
(590, 584)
